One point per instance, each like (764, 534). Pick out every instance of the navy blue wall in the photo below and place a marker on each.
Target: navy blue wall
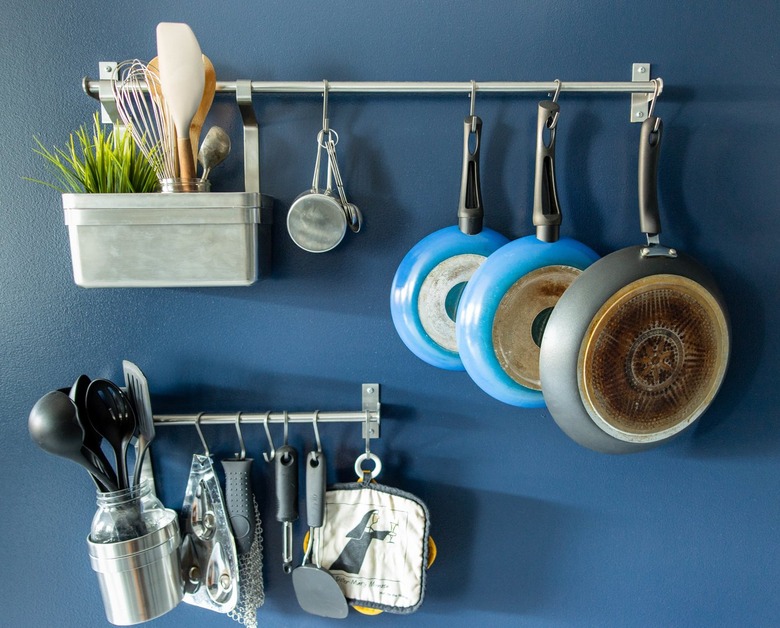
(532, 529)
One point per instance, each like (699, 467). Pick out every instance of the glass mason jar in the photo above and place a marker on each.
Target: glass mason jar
(185, 185)
(127, 514)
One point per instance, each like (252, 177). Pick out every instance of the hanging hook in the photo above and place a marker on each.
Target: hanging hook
(551, 123)
(657, 83)
(557, 89)
(325, 126)
(268, 457)
(200, 433)
(242, 455)
(367, 429)
(472, 106)
(286, 424)
(314, 420)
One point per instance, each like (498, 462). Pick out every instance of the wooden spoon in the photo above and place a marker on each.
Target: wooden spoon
(209, 88)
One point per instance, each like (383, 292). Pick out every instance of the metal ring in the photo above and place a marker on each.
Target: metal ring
(360, 471)
(332, 136)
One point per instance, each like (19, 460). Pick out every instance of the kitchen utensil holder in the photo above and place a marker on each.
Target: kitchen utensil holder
(173, 240)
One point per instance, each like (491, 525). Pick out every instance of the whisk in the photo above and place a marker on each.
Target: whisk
(142, 109)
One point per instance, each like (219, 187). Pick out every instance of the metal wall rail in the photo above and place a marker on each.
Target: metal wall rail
(369, 415)
(642, 87)
(435, 87)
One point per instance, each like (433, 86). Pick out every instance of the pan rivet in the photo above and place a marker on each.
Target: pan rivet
(370, 390)
(224, 581)
(641, 69)
(640, 114)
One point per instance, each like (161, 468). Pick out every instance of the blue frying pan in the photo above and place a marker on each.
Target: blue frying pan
(504, 308)
(430, 279)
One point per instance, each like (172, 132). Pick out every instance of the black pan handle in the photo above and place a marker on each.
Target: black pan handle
(547, 211)
(470, 211)
(649, 152)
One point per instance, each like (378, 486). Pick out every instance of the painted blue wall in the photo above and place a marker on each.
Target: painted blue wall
(532, 529)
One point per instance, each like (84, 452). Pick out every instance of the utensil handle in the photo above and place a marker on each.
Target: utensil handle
(649, 152)
(286, 484)
(470, 210)
(316, 472)
(186, 163)
(240, 502)
(547, 211)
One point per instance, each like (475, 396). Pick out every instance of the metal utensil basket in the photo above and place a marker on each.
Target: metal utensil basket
(177, 239)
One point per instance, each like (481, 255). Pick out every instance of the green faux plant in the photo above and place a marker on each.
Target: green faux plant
(99, 162)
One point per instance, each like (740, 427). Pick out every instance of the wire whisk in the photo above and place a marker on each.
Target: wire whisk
(143, 111)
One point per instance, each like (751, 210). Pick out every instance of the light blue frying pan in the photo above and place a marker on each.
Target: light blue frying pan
(504, 308)
(431, 277)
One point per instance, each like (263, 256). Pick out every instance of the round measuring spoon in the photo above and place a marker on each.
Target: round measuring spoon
(55, 428)
(113, 417)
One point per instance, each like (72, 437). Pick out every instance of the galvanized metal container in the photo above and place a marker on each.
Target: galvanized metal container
(168, 240)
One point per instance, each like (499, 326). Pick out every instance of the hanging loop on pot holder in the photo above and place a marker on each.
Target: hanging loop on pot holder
(376, 545)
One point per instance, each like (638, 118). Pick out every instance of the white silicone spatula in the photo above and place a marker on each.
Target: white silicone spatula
(182, 79)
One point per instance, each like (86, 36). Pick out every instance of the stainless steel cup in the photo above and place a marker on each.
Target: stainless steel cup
(140, 579)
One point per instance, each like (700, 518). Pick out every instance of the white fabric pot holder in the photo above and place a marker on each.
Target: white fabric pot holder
(375, 544)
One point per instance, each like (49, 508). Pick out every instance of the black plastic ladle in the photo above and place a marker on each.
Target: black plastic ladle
(112, 415)
(55, 428)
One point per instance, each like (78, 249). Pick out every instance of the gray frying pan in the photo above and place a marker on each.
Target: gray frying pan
(637, 347)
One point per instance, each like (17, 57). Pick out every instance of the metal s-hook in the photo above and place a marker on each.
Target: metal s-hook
(552, 123)
(657, 87)
(314, 420)
(268, 457)
(206, 451)
(286, 427)
(325, 124)
(242, 455)
(472, 106)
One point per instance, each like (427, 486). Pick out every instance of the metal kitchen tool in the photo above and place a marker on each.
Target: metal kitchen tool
(316, 221)
(145, 115)
(352, 212)
(213, 150)
(286, 460)
(247, 531)
(209, 557)
(317, 591)
(113, 417)
(55, 428)
(138, 390)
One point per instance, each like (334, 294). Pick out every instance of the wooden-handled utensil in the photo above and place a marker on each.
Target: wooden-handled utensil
(182, 77)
